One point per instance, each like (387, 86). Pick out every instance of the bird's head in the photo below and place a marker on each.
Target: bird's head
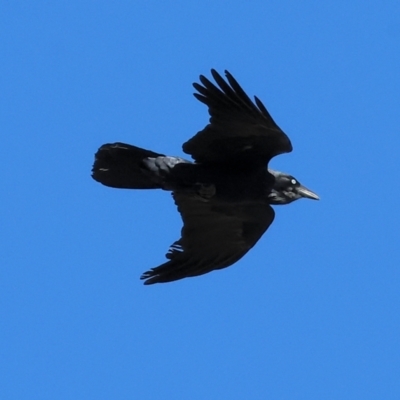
(287, 189)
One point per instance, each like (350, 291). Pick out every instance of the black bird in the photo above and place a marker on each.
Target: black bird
(225, 195)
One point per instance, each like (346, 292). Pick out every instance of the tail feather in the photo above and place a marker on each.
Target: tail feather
(119, 165)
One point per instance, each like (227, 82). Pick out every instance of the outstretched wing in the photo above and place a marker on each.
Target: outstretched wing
(214, 236)
(239, 130)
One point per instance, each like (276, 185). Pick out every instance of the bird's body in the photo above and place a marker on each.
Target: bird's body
(224, 196)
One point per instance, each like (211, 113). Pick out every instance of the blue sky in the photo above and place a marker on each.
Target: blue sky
(312, 312)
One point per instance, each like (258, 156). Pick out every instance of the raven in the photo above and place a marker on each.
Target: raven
(225, 195)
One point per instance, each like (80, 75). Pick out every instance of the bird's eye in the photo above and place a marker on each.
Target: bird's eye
(293, 181)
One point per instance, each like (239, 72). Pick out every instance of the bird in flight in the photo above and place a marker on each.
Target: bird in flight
(224, 196)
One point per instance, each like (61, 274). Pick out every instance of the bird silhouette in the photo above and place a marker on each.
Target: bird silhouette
(224, 196)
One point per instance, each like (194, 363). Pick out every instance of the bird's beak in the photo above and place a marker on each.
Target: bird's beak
(307, 193)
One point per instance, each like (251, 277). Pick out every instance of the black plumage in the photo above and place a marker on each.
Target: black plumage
(225, 196)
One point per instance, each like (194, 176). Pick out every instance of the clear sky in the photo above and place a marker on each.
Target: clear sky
(312, 312)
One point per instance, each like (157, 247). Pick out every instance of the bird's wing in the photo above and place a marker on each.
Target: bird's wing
(214, 236)
(238, 128)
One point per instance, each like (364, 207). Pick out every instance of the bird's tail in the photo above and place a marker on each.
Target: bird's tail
(120, 165)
